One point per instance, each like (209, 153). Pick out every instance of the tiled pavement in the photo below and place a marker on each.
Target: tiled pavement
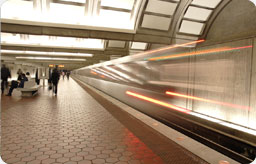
(73, 128)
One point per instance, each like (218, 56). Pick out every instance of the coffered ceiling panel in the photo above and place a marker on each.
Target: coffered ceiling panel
(161, 7)
(206, 3)
(197, 13)
(191, 27)
(138, 46)
(115, 43)
(156, 22)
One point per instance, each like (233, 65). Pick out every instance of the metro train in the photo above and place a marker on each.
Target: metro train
(203, 91)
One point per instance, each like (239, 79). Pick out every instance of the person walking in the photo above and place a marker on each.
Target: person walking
(63, 74)
(55, 80)
(5, 74)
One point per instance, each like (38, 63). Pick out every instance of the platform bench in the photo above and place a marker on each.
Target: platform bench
(30, 89)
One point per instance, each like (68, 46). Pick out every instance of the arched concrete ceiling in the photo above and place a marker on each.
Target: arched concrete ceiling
(121, 27)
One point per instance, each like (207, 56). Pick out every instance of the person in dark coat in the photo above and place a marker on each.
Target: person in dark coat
(5, 74)
(37, 80)
(17, 84)
(55, 80)
(50, 80)
(68, 74)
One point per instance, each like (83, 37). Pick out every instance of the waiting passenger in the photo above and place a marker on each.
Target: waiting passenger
(5, 74)
(19, 72)
(17, 84)
(19, 75)
(50, 80)
(68, 73)
(55, 80)
(63, 74)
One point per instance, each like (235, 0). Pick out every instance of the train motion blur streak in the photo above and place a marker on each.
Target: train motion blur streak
(200, 91)
(196, 53)
(155, 101)
(94, 73)
(207, 100)
(171, 47)
(110, 75)
(98, 73)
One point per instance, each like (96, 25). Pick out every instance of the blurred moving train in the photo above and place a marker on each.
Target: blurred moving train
(205, 92)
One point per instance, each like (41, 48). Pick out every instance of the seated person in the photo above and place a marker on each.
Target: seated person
(19, 77)
(17, 84)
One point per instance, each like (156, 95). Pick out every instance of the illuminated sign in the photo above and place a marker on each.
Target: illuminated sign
(59, 66)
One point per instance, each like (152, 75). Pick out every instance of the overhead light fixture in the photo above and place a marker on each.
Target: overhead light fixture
(48, 58)
(51, 41)
(77, 1)
(254, 2)
(47, 53)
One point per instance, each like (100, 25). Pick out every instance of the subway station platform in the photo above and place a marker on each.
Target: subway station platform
(73, 127)
(153, 81)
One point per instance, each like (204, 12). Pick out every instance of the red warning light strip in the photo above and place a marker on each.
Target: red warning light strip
(155, 101)
(171, 47)
(197, 53)
(207, 100)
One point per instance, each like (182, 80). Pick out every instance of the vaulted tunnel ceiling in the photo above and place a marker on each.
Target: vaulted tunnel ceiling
(103, 28)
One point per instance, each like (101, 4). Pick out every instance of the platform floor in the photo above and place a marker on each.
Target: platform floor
(74, 128)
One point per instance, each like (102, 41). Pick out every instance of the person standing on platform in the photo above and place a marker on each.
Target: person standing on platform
(55, 80)
(5, 74)
(19, 72)
(37, 80)
(63, 74)
(50, 80)
(68, 73)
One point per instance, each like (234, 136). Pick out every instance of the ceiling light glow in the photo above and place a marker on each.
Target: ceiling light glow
(254, 2)
(77, 1)
(48, 58)
(46, 53)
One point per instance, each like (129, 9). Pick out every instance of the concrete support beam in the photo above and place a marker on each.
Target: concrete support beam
(177, 17)
(120, 53)
(83, 33)
(152, 39)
